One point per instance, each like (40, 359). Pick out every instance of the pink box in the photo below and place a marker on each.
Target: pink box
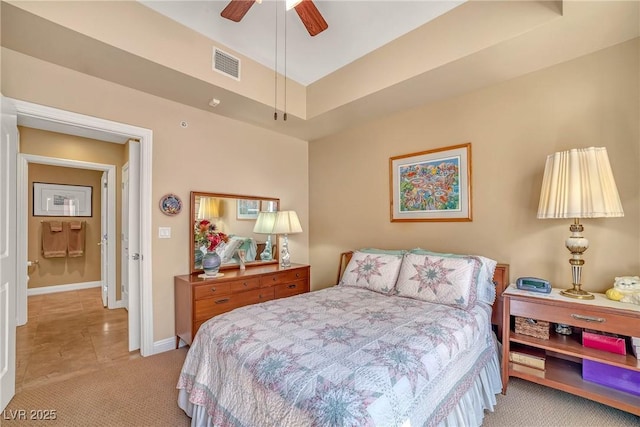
(622, 379)
(604, 342)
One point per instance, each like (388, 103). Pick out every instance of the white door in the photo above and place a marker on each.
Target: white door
(8, 226)
(124, 280)
(104, 212)
(133, 244)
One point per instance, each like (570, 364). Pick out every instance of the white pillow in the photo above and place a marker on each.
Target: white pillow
(442, 280)
(377, 272)
(230, 249)
(486, 291)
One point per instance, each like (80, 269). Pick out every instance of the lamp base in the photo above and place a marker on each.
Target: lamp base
(576, 293)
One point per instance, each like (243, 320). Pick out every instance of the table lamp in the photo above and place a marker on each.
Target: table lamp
(264, 225)
(578, 183)
(286, 223)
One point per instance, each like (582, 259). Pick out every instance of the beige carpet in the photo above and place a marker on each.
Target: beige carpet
(142, 392)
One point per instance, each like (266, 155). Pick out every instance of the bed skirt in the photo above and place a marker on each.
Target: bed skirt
(469, 411)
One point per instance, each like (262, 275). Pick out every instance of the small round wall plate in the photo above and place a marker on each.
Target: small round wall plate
(170, 204)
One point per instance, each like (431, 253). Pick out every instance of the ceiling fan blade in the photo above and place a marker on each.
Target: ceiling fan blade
(311, 17)
(236, 9)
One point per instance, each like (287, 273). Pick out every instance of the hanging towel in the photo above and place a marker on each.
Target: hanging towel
(76, 238)
(55, 225)
(54, 243)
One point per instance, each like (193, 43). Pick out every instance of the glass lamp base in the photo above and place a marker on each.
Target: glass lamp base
(576, 293)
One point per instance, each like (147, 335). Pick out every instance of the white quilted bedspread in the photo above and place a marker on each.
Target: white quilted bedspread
(341, 356)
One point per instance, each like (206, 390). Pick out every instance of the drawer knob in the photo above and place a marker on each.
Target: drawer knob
(292, 286)
(222, 301)
(589, 318)
(273, 278)
(245, 284)
(297, 275)
(213, 289)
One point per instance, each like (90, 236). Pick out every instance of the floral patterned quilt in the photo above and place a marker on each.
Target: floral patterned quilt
(341, 356)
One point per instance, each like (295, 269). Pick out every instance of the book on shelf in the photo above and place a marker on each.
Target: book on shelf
(636, 351)
(635, 341)
(527, 356)
(604, 341)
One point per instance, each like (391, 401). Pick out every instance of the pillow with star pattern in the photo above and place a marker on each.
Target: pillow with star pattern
(450, 281)
(486, 290)
(375, 271)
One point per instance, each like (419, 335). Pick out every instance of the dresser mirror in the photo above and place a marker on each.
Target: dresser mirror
(234, 215)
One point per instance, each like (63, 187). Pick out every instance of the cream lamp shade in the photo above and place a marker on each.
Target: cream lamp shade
(265, 222)
(287, 222)
(209, 208)
(264, 225)
(578, 183)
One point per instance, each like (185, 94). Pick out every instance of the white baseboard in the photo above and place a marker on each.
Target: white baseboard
(166, 344)
(62, 288)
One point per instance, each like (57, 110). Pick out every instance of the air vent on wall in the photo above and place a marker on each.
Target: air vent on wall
(226, 64)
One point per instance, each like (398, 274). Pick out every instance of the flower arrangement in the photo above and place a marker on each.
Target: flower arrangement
(207, 235)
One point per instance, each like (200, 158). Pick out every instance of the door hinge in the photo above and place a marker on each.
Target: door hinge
(136, 257)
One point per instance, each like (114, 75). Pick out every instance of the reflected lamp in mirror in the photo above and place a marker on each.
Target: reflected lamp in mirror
(264, 225)
(578, 183)
(209, 208)
(286, 223)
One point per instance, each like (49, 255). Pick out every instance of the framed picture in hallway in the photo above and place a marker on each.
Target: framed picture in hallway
(433, 185)
(61, 199)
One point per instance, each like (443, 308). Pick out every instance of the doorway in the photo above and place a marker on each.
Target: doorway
(140, 292)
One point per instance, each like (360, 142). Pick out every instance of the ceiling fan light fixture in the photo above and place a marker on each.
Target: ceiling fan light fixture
(290, 4)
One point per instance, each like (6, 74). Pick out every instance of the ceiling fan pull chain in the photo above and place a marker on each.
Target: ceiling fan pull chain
(275, 72)
(285, 68)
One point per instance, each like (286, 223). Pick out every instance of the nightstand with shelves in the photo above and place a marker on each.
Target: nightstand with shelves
(565, 353)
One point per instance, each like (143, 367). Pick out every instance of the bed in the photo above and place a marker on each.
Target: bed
(378, 349)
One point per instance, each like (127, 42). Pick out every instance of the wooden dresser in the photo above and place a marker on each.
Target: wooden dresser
(198, 300)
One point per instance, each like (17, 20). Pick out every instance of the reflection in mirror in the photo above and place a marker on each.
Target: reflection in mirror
(235, 216)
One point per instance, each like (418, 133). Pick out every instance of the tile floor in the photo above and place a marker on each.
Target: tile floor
(68, 334)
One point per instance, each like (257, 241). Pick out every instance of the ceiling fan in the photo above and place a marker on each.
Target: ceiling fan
(307, 11)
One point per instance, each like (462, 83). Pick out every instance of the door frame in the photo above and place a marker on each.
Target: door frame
(82, 125)
(23, 202)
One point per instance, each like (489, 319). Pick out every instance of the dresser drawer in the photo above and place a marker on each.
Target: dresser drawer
(244, 285)
(587, 317)
(208, 307)
(289, 289)
(253, 297)
(211, 289)
(284, 277)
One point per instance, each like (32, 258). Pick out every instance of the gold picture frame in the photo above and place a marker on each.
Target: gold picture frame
(432, 185)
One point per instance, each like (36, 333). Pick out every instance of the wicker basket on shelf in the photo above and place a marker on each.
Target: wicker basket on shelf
(532, 327)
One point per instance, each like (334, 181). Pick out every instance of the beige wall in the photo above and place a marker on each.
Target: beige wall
(52, 144)
(590, 101)
(212, 153)
(64, 271)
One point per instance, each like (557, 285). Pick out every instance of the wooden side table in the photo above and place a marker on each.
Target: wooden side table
(564, 354)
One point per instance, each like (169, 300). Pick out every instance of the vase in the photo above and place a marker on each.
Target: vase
(197, 258)
(211, 263)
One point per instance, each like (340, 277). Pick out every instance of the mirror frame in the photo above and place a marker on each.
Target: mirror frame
(192, 218)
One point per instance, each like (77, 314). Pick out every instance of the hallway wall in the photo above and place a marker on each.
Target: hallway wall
(64, 270)
(52, 144)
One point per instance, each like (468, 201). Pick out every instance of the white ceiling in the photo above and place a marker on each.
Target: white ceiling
(356, 27)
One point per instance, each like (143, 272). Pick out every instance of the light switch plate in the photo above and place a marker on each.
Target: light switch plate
(164, 232)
